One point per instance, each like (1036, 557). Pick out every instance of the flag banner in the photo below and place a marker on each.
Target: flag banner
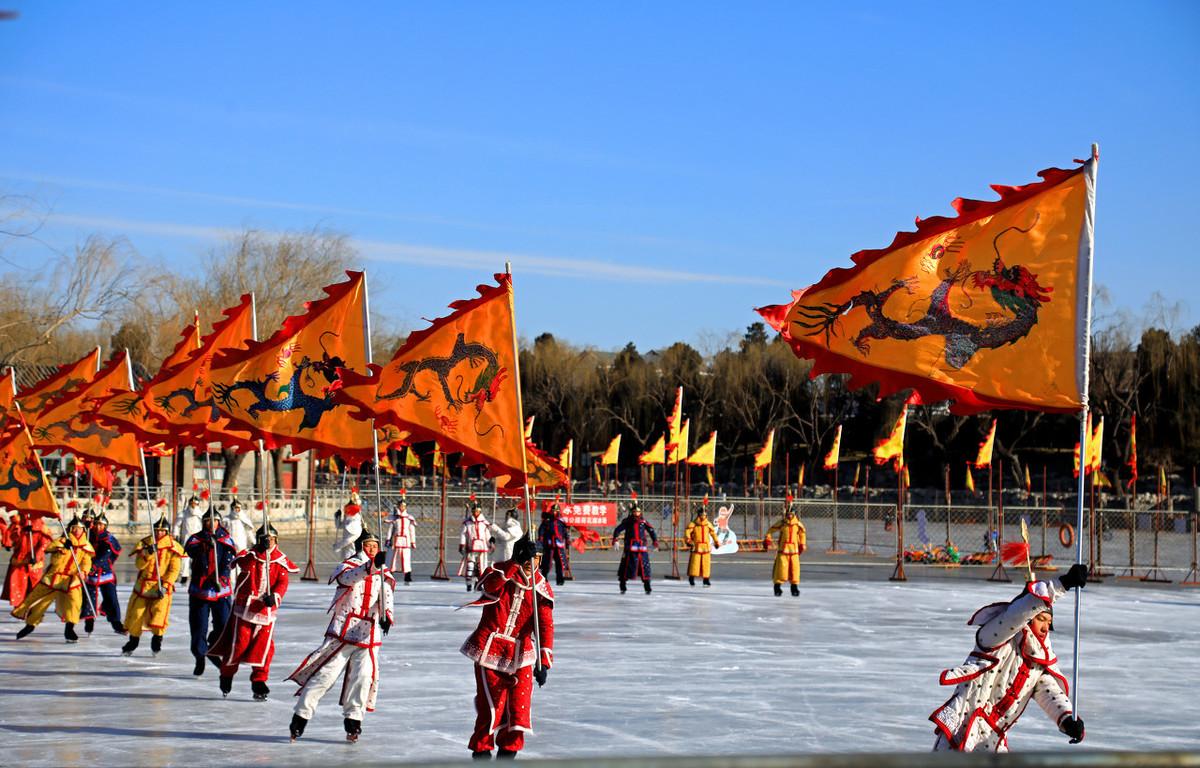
(835, 451)
(454, 382)
(1028, 482)
(1133, 461)
(657, 453)
(763, 458)
(189, 342)
(1162, 482)
(23, 486)
(984, 459)
(179, 398)
(439, 460)
(565, 459)
(282, 390)
(708, 470)
(385, 465)
(529, 428)
(674, 420)
(985, 309)
(907, 478)
(892, 449)
(677, 451)
(411, 460)
(587, 513)
(10, 419)
(970, 479)
(544, 472)
(596, 472)
(800, 479)
(706, 454)
(612, 452)
(37, 398)
(67, 424)
(857, 468)
(1095, 444)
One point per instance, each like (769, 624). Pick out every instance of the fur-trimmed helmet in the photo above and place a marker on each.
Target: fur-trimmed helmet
(101, 519)
(363, 538)
(266, 531)
(74, 522)
(162, 524)
(525, 549)
(210, 514)
(513, 514)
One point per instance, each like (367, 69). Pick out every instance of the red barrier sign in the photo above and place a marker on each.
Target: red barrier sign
(588, 513)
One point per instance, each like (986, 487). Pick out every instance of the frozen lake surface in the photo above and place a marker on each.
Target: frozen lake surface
(846, 667)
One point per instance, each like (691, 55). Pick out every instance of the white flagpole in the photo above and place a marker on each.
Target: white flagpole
(374, 438)
(145, 481)
(262, 460)
(1087, 253)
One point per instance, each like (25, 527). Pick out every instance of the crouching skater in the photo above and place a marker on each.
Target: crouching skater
(511, 647)
(362, 616)
(1012, 663)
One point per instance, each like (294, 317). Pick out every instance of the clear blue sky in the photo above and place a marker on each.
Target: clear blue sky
(653, 170)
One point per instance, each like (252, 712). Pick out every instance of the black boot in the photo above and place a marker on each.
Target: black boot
(692, 580)
(89, 625)
(778, 590)
(483, 754)
(226, 684)
(468, 585)
(199, 668)
(24, 631)
(646, 585)
(557, 582)
(297, 726)
(156, 644)
(259, 689)
(707, 583)
(622, 587)
(795, 590)
(130, 646)
(505, 754)
(408, 577)
(353, 729)
(119, 628)
(69, 633)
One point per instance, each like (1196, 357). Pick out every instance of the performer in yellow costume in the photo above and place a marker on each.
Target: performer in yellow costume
(61, 584)
(701, 537)
(790, 545)
(158, 558)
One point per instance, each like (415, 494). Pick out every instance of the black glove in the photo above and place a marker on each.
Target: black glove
(270, 600)
(540, 672)
(1076, 576)
(385, 624)
(380, 558)
(1073, 727)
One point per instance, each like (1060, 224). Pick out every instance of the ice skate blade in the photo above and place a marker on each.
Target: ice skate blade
(260, 697)
(72, 642)
(352, 738)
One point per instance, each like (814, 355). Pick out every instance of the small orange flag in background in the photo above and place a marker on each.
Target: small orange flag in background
(612, 452)
(764, 457)
(835, 451)
(892, 448)
(657, 453)
(706, 454)
(984, 459)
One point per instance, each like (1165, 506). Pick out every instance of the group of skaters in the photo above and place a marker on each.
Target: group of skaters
(234, 595)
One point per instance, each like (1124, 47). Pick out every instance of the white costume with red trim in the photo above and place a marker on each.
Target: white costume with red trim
(1008, 667)
(349, 527)
(351, 640)
(474, 542)
(402, 539)
(502, 647)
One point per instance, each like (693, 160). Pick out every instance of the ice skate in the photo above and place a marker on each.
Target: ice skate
(130, 646)
(622, 587)
(692, 581)
(482, 754)
(69, 633)
(260, 690)
(795, 590)
(199, 668)
(24, 631)
(707, 583)
(89, 625)
(296, 728)
(408, 578)
(505, 754)
(778, 590)
(353, 729)
(119, 628)
(226, 685)
(156, 644)
(646, 585)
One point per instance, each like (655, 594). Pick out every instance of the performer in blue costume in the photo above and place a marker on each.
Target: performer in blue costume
(101, 580)
(639, 537)
(210, 592)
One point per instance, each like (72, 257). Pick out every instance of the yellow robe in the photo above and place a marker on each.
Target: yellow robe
(790, 545)
(698, 534)
(147, 608)
(60, 583)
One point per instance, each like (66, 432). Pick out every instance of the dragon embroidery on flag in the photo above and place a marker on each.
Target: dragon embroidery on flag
(45, 433)
(1015, 289)
(26, 489)
(478, 393)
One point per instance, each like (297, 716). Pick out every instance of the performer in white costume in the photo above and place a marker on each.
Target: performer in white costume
(507, 534)
(349, 526)
(474, 544)
(402, 540)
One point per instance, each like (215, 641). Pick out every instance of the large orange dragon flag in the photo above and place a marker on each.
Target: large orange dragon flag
(10, 417)
(283, 390)
(987, 308)
(180, 398)
(68, 424)
(455, 382)
(34, 399)
(23, 486)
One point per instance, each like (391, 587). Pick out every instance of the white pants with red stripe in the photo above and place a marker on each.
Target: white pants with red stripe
(359, 669)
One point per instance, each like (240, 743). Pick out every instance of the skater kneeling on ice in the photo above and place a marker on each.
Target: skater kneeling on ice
(791, 544)
(61, 584)
(249, 635)
(1012, 663)
(362, 616)
(511, 647)
(159, 559)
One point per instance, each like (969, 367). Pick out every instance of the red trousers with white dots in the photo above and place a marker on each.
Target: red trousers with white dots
(502, 709)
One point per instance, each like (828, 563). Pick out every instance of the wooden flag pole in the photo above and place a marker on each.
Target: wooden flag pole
(833, 546)
(999, 573)
(439, 571)
(374, 443)
(898, 574)
(310, 569)
(865, 549)
(949, 503)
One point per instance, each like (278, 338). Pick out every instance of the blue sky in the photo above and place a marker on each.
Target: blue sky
(652, 170)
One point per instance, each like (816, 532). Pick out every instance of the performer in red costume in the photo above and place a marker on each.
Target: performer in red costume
(511, 647)
(29, 541)
(249, 635)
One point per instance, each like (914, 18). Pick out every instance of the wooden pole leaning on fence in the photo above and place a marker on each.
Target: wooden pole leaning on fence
(999, 574)
(1155, 574)
(674, 574)
(865, 549)
(1192, 579)
(834, 549)
(898, 574)
(310, 569)
(439, 572)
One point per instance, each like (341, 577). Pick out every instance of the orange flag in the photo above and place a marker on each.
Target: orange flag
(1028, 482)
(800, 479)
(763, 458)
(892, 449)
(674, 420)
(179, 398)
(835, 450)
(984, 459)
(657, 453)
(67, 425)
(612, 452)
(985, 309)
(23, 486)
(544, 472)
(1133, 462)
(566, 458)
(10, 418)
(35, 399)
(529, 427)
(970, 479)
(455, 382)
(1095, 443)
(705, 455)
(189, 342)
(283, 390)
(677, 451)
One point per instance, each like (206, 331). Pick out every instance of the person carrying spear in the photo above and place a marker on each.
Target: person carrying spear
(62, 584)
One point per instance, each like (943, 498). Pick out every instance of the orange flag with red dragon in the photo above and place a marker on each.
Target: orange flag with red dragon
(282, 390)
(455, 382)
(986, 308)
(34, 399)
(23, 485)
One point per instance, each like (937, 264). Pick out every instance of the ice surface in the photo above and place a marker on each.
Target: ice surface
(848, 666)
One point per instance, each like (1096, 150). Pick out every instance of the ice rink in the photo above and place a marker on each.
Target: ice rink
(845, 667)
